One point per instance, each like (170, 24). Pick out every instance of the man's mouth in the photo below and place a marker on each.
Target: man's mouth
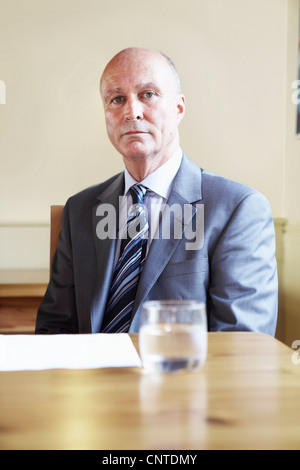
(135, 132)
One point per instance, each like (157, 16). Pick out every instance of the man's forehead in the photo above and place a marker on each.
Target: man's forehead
(138, 68)
(136, 58)
(135, 78)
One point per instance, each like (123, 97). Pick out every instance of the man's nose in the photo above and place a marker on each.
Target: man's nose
(133, 109)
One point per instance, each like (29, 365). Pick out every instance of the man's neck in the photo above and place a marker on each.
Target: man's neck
(141, 167)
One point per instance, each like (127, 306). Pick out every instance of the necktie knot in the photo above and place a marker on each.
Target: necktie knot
(138, 192)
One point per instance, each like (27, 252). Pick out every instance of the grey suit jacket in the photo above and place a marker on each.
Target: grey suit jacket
(233, 271)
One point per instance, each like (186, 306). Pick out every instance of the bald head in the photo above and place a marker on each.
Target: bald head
(133, 56)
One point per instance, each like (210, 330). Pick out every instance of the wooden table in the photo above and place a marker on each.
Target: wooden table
(247, 396)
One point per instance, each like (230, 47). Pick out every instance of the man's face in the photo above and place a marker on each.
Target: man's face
(142, 105)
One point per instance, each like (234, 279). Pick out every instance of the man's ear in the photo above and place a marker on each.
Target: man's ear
(180, 107)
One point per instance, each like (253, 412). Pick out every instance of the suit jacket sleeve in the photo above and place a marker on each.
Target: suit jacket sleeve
(243, 290)
(57, 312)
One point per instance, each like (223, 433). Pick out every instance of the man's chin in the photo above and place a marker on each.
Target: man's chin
(137, 153)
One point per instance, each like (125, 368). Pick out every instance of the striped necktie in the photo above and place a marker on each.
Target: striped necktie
(125, 280)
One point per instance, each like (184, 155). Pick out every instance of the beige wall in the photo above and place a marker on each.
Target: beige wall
(236, 58)
(230, 55)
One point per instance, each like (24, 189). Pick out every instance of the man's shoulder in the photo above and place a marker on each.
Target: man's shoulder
(91, 193)
(217, 186)
(223, 188)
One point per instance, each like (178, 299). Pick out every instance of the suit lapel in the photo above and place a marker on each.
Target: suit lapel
(186, 191)
(105, 249)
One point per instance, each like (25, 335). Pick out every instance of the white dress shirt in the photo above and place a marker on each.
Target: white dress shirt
(159, 183)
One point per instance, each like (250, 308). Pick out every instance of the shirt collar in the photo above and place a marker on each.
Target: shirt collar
(160, 180)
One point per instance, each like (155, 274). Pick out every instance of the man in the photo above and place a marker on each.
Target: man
(230, 264)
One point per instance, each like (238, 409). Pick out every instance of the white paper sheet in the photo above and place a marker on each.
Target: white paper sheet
(87, 351)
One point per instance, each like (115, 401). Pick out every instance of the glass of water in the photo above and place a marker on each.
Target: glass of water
(173, 335)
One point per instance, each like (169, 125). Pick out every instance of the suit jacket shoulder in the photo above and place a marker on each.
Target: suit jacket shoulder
(89, 195)
(222, 188)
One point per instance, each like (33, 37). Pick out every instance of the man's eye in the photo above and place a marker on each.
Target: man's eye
(148, 94)
(117, 99)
